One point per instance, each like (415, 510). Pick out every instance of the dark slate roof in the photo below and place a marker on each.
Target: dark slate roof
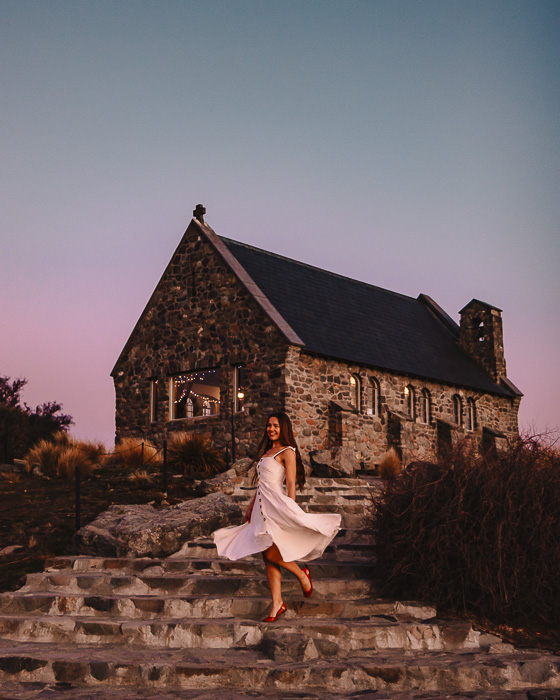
(346, 319)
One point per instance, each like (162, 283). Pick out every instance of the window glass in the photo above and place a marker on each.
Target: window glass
(355, 391)
(153, 400)
(425, 406)
(195, 394)
(471, 415)
(457, 410)
(372, 398)
(409, 401)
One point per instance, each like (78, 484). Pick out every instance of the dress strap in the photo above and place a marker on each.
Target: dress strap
(283, 449)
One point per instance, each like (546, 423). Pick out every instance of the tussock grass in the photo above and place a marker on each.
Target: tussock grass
(134, 453)
(60, 455)
(195, 455)
(476, 533)
(141, 479)
(390, 465)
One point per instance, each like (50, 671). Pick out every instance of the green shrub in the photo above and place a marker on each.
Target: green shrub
(480, 533)
(60, 456)
(195, 455)
(131, 454)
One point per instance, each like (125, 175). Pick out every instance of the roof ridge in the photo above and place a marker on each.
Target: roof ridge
(315, 267)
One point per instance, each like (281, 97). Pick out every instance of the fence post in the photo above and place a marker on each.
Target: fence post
(77, 476)
(165, 467)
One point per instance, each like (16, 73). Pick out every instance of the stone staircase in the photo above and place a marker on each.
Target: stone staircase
(189, 627)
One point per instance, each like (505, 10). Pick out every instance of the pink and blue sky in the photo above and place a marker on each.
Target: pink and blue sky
(413, 145)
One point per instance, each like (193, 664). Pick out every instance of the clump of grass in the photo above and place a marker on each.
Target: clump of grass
(195, 455)
(134, 453)
(60, 455)
(141, 479)
(390, 465)
(476, 532)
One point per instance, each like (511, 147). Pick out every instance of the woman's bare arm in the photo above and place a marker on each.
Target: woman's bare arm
(290, 467)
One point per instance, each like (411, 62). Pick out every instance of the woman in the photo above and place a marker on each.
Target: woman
(277, 526)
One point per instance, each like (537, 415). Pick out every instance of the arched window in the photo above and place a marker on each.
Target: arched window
(189, 408)
(206, 408)
(372, 397)
(409, 401)
(425, 407)
(471, 414)
(355, 391)
(457, 410)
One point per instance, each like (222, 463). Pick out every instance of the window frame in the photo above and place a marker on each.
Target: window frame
(410, 399)
(471, 414)
(190, 409)
(153, 399)
(356, 392)
(425, 406)
(458, 410)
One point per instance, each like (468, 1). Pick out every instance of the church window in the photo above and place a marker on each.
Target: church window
(471, 414)
(195, 393)
(458, 410)
(409, 401)
(425, 406)
(355, 391)
(153, 400)
(372, 397)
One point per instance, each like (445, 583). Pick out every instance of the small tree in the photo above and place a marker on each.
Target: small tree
(22, 427)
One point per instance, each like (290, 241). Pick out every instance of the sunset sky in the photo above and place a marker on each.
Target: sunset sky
(410, 144)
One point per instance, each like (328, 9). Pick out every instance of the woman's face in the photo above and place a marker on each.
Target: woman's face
(273, 429)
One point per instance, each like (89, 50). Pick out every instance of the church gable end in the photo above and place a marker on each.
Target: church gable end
(201, 336)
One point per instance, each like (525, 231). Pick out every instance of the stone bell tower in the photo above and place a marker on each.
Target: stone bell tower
(482, 336)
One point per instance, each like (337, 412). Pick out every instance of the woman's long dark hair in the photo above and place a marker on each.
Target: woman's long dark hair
(286, 438)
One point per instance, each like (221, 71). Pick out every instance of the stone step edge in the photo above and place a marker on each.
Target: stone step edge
(399, 609)
(28, 691)
(524, 669)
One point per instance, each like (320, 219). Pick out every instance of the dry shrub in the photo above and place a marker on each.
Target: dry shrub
(60, 456)
(195, 455)
(479, 533)
(134, 453)
(141, 479)
(390, 465)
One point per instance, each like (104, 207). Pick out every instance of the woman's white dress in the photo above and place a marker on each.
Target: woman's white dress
(277, 519)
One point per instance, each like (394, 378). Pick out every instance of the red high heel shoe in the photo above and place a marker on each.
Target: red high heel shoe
(273, 618)
(308, 593)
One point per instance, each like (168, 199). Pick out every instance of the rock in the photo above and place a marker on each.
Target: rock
(336, 462)
(145, 531)
(224, 482)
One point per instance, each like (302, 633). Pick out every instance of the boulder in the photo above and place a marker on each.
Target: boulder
(145, 531)
(224, 482)
(336, 462)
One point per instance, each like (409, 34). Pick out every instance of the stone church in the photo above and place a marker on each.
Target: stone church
(233, 332)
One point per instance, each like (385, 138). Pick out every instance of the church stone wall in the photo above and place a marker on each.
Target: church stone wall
(200, 317)
(312, 383)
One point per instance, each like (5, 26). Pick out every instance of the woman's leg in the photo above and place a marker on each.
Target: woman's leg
(273, 554)
(274, 582)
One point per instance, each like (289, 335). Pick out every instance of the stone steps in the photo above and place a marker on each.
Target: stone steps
(42, 691)
(320, 568)
(96, 583)
(151, 607)
(189, 626)
(331, 638)
(239, 669)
